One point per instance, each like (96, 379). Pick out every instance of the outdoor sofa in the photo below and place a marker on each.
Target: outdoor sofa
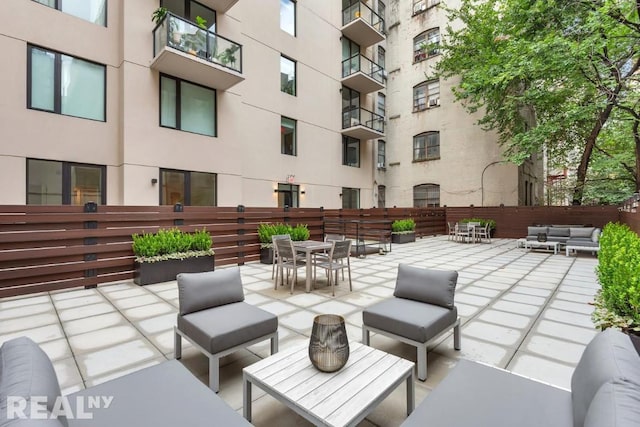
(572, 237)
(605, 393)
(162, 395)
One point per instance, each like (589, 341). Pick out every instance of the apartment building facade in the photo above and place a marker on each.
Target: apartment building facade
(215, 102)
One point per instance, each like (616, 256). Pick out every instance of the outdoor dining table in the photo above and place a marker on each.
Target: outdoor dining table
(309, 247)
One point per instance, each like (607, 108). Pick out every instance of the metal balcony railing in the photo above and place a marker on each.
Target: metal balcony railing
(365, 65)
(360, 10)
(188, 37)
(366, 118)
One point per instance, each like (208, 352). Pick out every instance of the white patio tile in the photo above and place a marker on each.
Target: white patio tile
(23, 301)
(146, 311)
(67, 372)
(561, 350)
(568, 317)
(516, 307)
(566, 332)
(26, 311)
(334, 307)
(135, 301)
(80, 326)
(505, 319)
(582, 308)
(306, 299)
(541, 369)
(525, 299)
(85, 311)
(157, 324)
(40, 334)
(9, 326)
(492, 333)
(471, 299)
(79, 302)
(278, 307)
(116, 359)
(255, 299)
(361, 299)
(107, 337)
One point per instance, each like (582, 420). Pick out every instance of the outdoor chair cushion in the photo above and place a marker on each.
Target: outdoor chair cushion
(584, 232)
(558, 231)
(609, 356)
(582, 242)
(429, 286)
(410, 319)
(227, 326)
(617, 403)
(473, 394)
(596, 235)
(25, 371)
(534, 231)
(199, 291)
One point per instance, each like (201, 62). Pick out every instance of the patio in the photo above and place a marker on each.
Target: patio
(525, 311)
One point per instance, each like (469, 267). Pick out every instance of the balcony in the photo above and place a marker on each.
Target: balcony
(183, 49)
(362, 124)
(220, 6)
(362, 25)
(362, 74)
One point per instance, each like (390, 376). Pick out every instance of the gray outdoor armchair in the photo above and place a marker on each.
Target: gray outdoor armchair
(422, 309)
(215, 319)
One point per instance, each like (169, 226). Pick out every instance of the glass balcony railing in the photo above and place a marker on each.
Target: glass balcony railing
(366, 118)
(362, 11)
(365, 65)
(188, 37)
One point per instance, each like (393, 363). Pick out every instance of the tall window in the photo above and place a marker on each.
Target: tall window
(350, 198)
(187, 188)
(63, 84)
(420, 6)
(382, 148)
(288, 195)
(426, 95)
(426, 45)
(382, 57)
(287, 75)
(381, 104)
(382, 196)
(64, 183)
(288, 16)
(426, 195)
(190, 9)
(94, 11)
(187, 106)
(350, 151)
(381, 9)
(426, 146)
(288, 136)
(350, 107)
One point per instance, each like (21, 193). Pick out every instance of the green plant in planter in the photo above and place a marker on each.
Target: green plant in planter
(403, 226)
(300, 232)
(482, 221)
(171, 244)
(618, 302)
(266, 231)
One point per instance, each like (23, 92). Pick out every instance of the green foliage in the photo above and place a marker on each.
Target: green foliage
(166, 243)
(201, 22)
(482, 221)
(300, 232)
(619, 276)
(159, 14)
(266, 231)
(403, 225)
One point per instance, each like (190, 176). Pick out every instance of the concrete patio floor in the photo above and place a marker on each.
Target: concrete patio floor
(525, 311)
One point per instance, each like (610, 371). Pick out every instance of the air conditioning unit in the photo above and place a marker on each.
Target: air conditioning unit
(434, 102)
(380, 165)
(419, 7)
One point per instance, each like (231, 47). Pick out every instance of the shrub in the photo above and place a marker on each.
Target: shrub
(618, 303)
(403, 225)
(482, 221)
(266, 231)
(300, 232)
(171, 244)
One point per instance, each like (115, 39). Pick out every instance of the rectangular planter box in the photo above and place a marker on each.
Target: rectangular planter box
(266, 255)
(163, 271)
(403, 238)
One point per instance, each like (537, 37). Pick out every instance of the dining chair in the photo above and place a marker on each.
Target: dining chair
(338, 261)
(274, 259)
(464, 231)
(483, 233)
(324, 255)
(474, 226)
(451, 231)
(288, 259)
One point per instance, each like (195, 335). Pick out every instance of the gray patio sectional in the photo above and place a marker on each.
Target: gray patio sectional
(572, 237)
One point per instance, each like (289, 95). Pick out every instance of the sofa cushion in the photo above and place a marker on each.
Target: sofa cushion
(582, 242)
(410, 319)
(616, 404)
(227, 326)
(533, 231)
(198, 291)
(26, 371)
(596, 235)
(430, 286)
(584, 232)
(558, 231)
(609, 356)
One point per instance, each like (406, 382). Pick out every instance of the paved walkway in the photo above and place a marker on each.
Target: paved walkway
(526, 311)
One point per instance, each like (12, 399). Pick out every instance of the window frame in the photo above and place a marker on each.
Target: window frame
(427, 4)
(382, 154)
(57, 82)
(427, 146)
(187, 186)
(429, 191)
(295, 137)
(431, 98)
(178, 105)
(382, 196)
(295, 75)
(66, 180)
(187, 13)
(58, 6)
(295, 18)
(422, 54)
(355, 192)
(347, 142)
(291, 190)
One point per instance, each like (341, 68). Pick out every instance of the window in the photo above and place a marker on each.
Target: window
(382, 54)
(426, 195)
(381, 105)
(382, 196)
(382, 147)
(187, 188)
(426, 45)
(426, 95)
(94, 11)
(288, 16)
(288, 136)
(426, 146)
(62, 183)
(350, 198)
(381, 9)
(190, 9)
(350, 107)
(288, 195)
(350, 151)
(420, 6)
(187, 106)
(63, 84)
(287, 75)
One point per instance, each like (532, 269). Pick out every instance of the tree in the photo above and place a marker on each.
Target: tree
(545, 73)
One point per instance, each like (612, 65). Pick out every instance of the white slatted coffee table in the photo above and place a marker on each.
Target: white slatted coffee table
(342, 398)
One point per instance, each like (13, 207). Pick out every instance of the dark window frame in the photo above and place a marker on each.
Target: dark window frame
(382, 196)
(295, 19)
(429, 190)
(187, 11)
(295, 76)
(420, 55)
(179, 106)
(417, 107)
(426, 136)
(57, 82)
(58, 7)
(382, 154)
(66, 179)
(346, 142)
(295, 137)
(187, 185)
(356, 191)
(289, 190)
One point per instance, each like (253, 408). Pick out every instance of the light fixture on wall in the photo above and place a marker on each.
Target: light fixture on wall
(275, 190)
(340, 194)
(154, 181)
(303, 192)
